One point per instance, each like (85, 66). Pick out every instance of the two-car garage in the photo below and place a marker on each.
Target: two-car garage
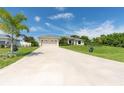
(49, 41)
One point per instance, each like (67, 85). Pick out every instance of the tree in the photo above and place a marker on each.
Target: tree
(63, 41)
(31, 40)
(12, 24)
(27, 39)
(86, 40)
(115, 39)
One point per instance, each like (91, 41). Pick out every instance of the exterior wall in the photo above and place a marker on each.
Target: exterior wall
(71, 42)
(49, 41)
(81, 42)
(74, 42)
(5, 41)
(22, 43)
(25, 44)
(57, 42)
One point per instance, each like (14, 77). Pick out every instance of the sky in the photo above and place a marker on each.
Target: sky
(63, 21)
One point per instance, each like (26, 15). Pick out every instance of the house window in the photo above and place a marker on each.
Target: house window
(79, 42)
(69, 41)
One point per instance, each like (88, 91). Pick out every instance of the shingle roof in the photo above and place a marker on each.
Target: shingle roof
(4, 36)
(74, 38)
(49, 37)
(57, 37)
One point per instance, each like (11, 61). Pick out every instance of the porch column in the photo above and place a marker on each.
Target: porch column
(57, 42)
(40, 43)
(74, 42)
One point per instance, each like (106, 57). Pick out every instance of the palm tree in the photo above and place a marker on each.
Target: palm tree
(12, 24)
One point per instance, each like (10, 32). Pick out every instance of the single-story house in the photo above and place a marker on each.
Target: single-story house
(74, 41)
(49, 41)
(22, 43)
(6, 41)
(54, 41)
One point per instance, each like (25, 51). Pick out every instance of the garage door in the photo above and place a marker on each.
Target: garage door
(49, 43)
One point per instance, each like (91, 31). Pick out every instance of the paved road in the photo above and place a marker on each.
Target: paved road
(58, 66)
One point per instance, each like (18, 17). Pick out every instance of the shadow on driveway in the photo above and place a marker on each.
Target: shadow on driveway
(35, 53)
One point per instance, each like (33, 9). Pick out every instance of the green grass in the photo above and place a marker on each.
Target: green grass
(21, 53)
(113, 53)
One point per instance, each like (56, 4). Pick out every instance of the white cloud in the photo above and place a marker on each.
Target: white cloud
(62, 16)
(47, 24)
(37, 18)
(105, 28)
(56, 28)
(36, 28)
(33, 29)
(60, 8)
(86, 22)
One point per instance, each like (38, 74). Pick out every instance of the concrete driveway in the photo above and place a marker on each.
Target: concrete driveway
(58, 66)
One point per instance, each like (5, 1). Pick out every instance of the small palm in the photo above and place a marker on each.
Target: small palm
(12, 24)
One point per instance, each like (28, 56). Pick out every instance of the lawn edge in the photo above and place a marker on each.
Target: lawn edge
(92, 55)
(18, 60)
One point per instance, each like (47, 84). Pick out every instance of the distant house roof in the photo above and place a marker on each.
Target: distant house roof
(74, 38)
(4, 36)
(57, 37)
(49, 37)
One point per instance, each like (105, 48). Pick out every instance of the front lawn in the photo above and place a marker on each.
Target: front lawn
(21, 53)
(113, 53)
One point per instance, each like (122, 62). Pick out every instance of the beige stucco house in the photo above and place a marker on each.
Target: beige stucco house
(54, 41)
(49, 41)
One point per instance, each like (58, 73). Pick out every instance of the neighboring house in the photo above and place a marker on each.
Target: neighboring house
(22, 43)
(74, 41)
(6, 41)
(54, 41)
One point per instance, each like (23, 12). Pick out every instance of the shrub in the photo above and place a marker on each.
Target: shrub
(91, 49)
(34, 44)
(2, 46)
(63, 41)
(15, 48)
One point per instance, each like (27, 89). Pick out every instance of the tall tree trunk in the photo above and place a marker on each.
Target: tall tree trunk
(12, 43)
